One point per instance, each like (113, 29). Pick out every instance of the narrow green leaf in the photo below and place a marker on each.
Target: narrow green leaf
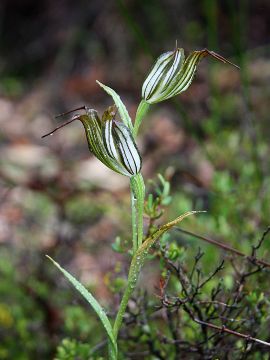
(136, 264)
(93, 302)
(141, 254)
(120, 105)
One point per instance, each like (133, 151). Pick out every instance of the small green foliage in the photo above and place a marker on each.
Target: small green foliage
(70, 349)
(77, 322)
(174, 252)
(155, 203)
(21, 313)
(117, 245)
(12, 86)
(114, 279)
(164, 191)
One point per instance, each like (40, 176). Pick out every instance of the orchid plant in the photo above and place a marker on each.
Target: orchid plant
(113, 142)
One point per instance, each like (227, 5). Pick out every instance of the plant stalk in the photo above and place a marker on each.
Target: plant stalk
(111, 353)
(133, 203)
(122, 309)
(137, 195)
(140, 114)
(137, 207)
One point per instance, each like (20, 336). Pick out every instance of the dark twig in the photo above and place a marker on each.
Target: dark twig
(196, 261)
(232, 332)
(261, 240)
(219, 268)
(225, 247)
(215, 302)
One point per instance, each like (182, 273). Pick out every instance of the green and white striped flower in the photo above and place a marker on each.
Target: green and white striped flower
(109, 140)
(172, 74)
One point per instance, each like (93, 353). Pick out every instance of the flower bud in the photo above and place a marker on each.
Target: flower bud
(172, 74)
(111, 142)
(160, 77)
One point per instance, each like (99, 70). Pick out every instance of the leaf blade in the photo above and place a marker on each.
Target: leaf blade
(92, 301)
(120, 105)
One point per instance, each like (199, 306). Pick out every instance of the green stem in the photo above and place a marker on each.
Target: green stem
(134, 271)
(141, 112)
(137, 204)
(122, 309)
(133, 202)
(140, 208)
(111, 353)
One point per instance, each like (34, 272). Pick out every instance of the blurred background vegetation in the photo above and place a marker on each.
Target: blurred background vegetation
(211, 143)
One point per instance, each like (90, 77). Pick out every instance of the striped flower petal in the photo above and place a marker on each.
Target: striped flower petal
(94, 135)
(127, 148)
(111, 142)
(172, 75)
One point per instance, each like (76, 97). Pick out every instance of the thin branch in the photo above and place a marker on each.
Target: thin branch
(219, 268)
(232, 332)
(197, 258)
(224, 329)
(256, 247)
(215, 302)
(225, 247)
